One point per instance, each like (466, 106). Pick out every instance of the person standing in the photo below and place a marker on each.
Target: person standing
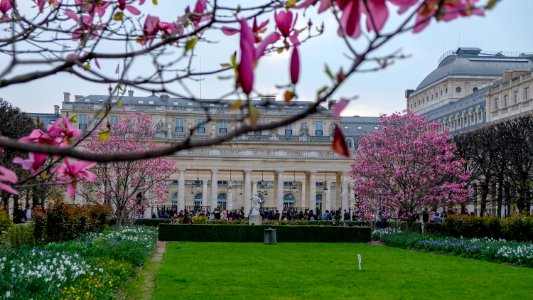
(18, 215)
(28, 213)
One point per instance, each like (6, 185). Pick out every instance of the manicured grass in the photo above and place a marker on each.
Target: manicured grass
(329, 271)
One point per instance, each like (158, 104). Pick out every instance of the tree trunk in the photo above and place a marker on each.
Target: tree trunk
(484, 193)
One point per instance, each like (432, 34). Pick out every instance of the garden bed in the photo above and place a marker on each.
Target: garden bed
(92, 267)
(488, 249)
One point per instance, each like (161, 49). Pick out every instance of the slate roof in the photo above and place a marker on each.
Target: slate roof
(475, 62)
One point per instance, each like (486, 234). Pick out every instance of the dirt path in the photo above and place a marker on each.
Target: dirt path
(143, 286)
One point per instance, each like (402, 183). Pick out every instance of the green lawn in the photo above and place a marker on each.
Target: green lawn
(329, 271)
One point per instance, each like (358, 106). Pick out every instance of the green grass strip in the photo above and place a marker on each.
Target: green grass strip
(329, 271)
(143, 286)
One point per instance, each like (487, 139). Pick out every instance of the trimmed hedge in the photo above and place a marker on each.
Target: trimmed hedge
(516, 228)
(248, 233)
(151, 222)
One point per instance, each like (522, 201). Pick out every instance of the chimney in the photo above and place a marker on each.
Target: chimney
(130, 93)
(56, 110)
(77, 97)
(66, 97)
(268, 99)
(164, 96)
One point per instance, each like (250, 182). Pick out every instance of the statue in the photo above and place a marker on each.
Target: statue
(254, 217)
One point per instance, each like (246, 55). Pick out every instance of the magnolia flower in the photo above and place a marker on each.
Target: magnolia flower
(75, 171)
(62, 131)
(5, 6)
(33, 163)
(132, 9)
(7, 176)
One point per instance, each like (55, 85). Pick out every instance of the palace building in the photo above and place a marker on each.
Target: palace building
(471, 87)
(290, 167)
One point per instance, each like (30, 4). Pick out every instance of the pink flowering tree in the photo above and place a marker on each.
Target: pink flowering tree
(104, 41)
(408, 165)
(128, 186)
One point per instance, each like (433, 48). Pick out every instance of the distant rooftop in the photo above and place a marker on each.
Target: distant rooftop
(467, 61)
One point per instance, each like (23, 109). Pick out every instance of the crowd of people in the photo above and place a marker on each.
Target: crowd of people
(21, 215)
(171, 212)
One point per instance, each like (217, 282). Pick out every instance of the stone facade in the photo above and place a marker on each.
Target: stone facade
(290, 167)
(470, 88)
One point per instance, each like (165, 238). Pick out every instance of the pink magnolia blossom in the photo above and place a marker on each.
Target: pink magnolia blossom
(87, 29)
(75, 172)
(119, 183)
(7, 176)
(63, 132)
(5, 7)
(93, 7)
(256, 29)
(41, 3)
(38, 136)
(246, 65)
(408, 165)
(250, 55)
(33, 163)
(339, 107)
(451, 9)
(152, 26)
(295, 65)
(198, 14)
(132, 9)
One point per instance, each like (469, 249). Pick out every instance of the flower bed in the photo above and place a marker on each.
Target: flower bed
(485, 249)
(91, 267)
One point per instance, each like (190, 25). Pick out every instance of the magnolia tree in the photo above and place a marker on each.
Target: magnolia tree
(128, 186)
(85, 37)
(406, 166)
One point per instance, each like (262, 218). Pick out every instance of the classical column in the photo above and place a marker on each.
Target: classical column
(254, 188)
(345, 205)
(303, 193)
(338, 192)
(247, 191)
(214, 189)
(327, 196)
(181, 190)
(205, 200)
(279, 190)
(229, 199)
(352, 196)
(312, 191)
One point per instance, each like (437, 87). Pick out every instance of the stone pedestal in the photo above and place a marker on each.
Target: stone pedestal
(255, 219)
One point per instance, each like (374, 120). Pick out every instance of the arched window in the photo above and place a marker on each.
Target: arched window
(222, 200)
(349, 143)
(198, 200)
(288, 201)
(318, 199)
(174, 199)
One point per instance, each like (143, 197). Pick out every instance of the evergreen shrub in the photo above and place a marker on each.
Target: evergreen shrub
(252, 233)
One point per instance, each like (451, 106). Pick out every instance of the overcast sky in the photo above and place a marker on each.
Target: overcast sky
(508, 27)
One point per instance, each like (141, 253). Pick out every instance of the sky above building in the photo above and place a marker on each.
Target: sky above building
(506, 28)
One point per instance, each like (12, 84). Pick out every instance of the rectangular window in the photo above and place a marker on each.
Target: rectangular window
(113, 120)
(222, 126)
(515, 97)
(526, 94)
(288, 130)
(496, 104)
(319, 128)
(83, 121)
(179, 125)
(201, 127)
(505, 100)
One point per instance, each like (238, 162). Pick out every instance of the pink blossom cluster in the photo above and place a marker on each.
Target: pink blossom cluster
(60, 134)
(122, 182)
(408, 165)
